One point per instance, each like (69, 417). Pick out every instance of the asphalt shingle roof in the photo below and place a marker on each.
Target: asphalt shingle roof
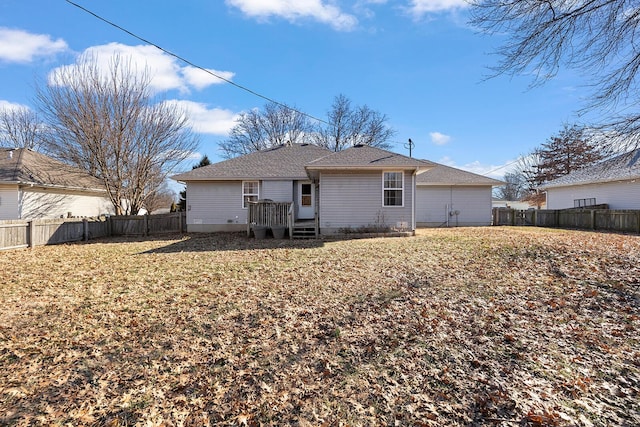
(446, 175)
(282, 162)
(24, 166)
(366, 156)
(620, 168)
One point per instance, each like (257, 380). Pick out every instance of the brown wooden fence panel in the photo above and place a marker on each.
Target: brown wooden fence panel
(575, 218)
(166, 223)
(14, 234)
(100, 227)
(619, 220)
(23, 233)
(591, 219)
(128, 225)
(53, 231)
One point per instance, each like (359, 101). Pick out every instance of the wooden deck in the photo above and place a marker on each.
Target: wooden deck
(269, 214)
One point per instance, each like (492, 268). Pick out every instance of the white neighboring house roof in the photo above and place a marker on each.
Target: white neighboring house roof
(22, 166)
(625, 167)
(446, 175)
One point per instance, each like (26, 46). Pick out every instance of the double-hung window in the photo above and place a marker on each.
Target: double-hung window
(393, 189)
(250, 192)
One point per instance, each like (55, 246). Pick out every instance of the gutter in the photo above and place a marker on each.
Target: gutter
(56, 187)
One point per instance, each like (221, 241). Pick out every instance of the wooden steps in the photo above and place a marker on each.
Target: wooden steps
(305, 230)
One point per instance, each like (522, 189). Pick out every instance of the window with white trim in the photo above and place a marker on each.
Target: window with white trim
(250, 192)
(393, 189)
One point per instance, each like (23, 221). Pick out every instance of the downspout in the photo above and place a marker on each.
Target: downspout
(20, 201)
(316, 213)
(413, 201)
(446, 214)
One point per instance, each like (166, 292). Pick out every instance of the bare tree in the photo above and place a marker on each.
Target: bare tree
(348, 126)
(20, 128)
(160, 197)
(107, 122)
(526, 168)
(569, 150)
(598, 37)
(258, 130)
(572, 148)
(515, 187)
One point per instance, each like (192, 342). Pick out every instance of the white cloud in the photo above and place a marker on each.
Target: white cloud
(216, 121)
(6, 105)
(21, 46)
(165, 71)
(293, 10)
(200, 79)
(419, 8)
(439, 138)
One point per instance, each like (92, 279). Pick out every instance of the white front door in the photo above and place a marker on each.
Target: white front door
(306, 200)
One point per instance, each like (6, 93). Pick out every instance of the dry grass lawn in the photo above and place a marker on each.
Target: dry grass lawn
(476, 326)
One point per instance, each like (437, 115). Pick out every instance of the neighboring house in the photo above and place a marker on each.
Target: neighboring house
(34, 186)
(358, 187)
(511, 204)
(450, 197)
(615, 182)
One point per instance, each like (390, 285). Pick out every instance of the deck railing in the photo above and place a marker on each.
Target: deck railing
(266, 213)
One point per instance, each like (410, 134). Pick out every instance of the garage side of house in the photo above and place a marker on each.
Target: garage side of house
(450, 197)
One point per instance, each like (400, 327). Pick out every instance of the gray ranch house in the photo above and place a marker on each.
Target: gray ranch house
(306, 189)
(35, 186)
(615, 182)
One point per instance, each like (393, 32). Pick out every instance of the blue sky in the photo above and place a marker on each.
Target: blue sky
(417, 61)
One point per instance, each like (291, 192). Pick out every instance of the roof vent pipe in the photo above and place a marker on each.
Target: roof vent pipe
(10, 154)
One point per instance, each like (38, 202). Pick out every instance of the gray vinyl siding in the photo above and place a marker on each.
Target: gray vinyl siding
(278, 191)
(355, 200)
(433, 204)
(215, 203)
(618, 195)
(9, 204)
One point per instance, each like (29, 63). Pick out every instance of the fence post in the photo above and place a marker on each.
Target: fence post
(85, 229)
(593, 219)
(32, 233)
(146, 224)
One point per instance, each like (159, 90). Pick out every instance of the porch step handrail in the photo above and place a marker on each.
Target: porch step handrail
(291, 220)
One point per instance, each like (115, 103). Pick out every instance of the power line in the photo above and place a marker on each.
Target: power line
(186, 61)
(501, 167)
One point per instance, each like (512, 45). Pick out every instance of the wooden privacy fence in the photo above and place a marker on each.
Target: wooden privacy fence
(591, 219)
(28, 233)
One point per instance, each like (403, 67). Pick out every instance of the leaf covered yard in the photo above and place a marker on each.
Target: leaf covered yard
(468, 326)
